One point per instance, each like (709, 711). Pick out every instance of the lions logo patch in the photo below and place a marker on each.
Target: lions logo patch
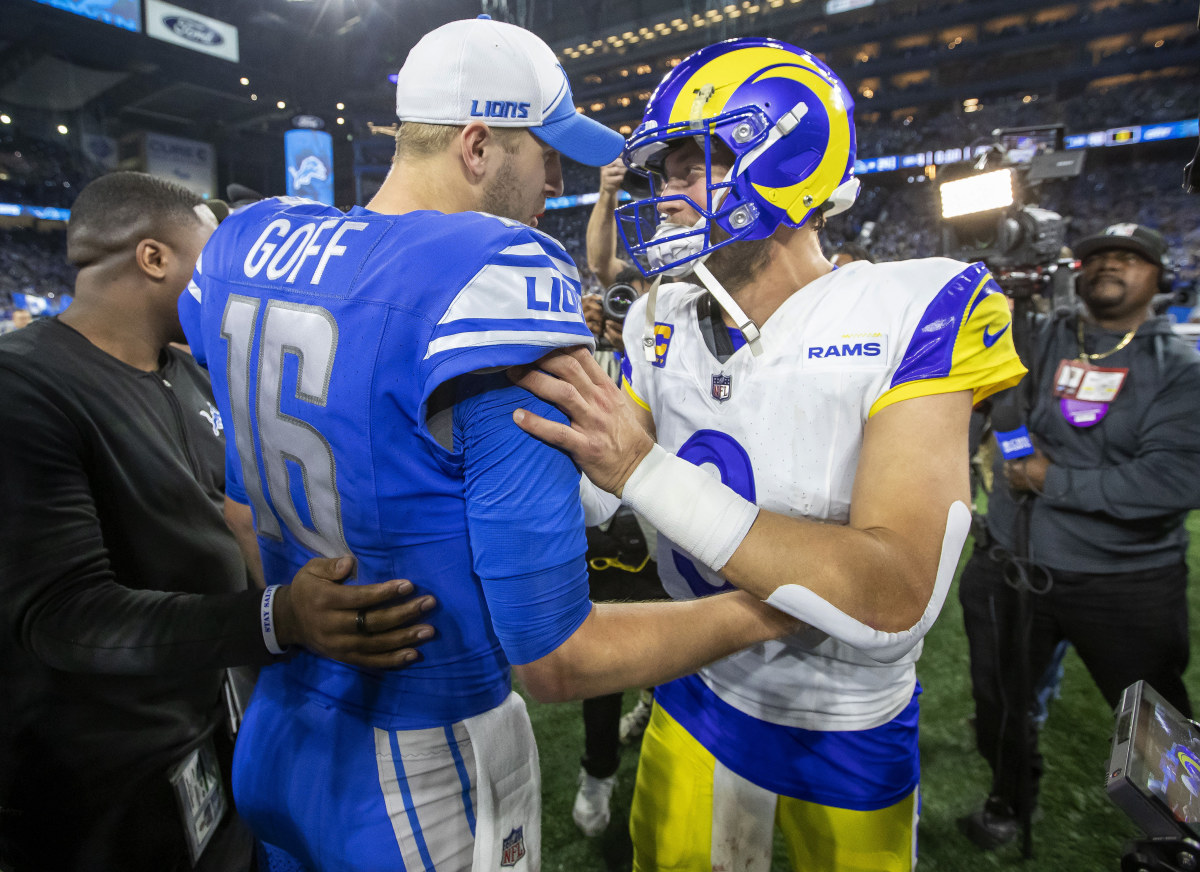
(513, 848)
(213, 417)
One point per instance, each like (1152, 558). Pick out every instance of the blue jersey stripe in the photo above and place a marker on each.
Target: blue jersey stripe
(569, 323)
(463, 778)
(406, 793)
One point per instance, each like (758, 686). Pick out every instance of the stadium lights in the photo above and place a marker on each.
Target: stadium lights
(341, 106)
(244, 80)
(980, 193)
(5, 118)
(62, 128)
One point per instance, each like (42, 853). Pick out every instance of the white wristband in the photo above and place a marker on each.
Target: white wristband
(266, 614)
(802, 603)
(690, 507)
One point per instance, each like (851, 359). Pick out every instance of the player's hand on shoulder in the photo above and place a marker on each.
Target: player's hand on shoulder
(606, 439)
(368, 625)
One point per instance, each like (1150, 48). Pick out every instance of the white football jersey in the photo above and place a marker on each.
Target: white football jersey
(785, 429)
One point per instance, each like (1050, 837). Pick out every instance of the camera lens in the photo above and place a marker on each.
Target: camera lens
(616, 301)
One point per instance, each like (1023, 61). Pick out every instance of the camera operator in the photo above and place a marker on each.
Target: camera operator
(1114, 420)
(602, 226)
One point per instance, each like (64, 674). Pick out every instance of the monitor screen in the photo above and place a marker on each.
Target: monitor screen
(119, 13)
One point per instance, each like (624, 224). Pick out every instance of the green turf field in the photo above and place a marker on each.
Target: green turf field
(1079, 830)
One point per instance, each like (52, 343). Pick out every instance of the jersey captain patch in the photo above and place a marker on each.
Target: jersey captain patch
(662, 342)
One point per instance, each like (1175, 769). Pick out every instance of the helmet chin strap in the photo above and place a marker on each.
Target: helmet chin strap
(725, 300)
(648, 342)
(750, 331)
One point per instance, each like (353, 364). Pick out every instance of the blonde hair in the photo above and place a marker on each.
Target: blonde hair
(415, 139)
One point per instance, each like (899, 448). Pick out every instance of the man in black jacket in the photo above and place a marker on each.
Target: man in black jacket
(1115, 421)
(123, 593)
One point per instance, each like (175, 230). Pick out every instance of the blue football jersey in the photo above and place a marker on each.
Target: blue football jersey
(331, 339)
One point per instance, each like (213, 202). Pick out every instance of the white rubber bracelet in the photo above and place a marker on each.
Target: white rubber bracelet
(267, 614)
(802, 603)
(690, 507)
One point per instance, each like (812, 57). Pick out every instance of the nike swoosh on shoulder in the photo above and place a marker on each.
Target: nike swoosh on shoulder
(989, 339)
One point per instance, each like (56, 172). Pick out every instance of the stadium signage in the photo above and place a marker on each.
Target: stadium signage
(191, 30)
(833, 7)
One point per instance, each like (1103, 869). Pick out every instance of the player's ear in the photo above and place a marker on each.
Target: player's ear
(152, 258)
(476, 142)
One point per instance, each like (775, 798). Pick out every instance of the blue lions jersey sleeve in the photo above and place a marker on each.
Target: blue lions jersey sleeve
(331, 339)
(524, 517)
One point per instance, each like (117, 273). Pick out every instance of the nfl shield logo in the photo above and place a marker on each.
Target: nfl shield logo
(722, 387)
(514, 847)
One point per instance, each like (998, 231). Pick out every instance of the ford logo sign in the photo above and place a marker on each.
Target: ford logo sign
(192, 30)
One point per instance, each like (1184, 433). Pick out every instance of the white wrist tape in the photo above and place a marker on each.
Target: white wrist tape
(690, 507)
(267, 615)
(598, 505)
(802, 603)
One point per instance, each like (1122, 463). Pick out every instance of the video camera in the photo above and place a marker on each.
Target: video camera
(617, 299)
(987, 213)
(1154, 777)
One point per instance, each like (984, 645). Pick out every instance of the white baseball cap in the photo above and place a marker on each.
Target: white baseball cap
(483, 70)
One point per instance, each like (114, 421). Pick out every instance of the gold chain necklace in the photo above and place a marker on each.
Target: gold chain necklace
(1100, 356)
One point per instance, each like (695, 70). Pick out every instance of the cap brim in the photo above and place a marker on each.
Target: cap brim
(1087, 247)
(581, 139)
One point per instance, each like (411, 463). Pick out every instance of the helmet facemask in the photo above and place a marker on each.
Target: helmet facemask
(777, 117)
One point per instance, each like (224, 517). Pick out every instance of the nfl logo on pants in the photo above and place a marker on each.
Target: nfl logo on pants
(722, 387)
(514, 847)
